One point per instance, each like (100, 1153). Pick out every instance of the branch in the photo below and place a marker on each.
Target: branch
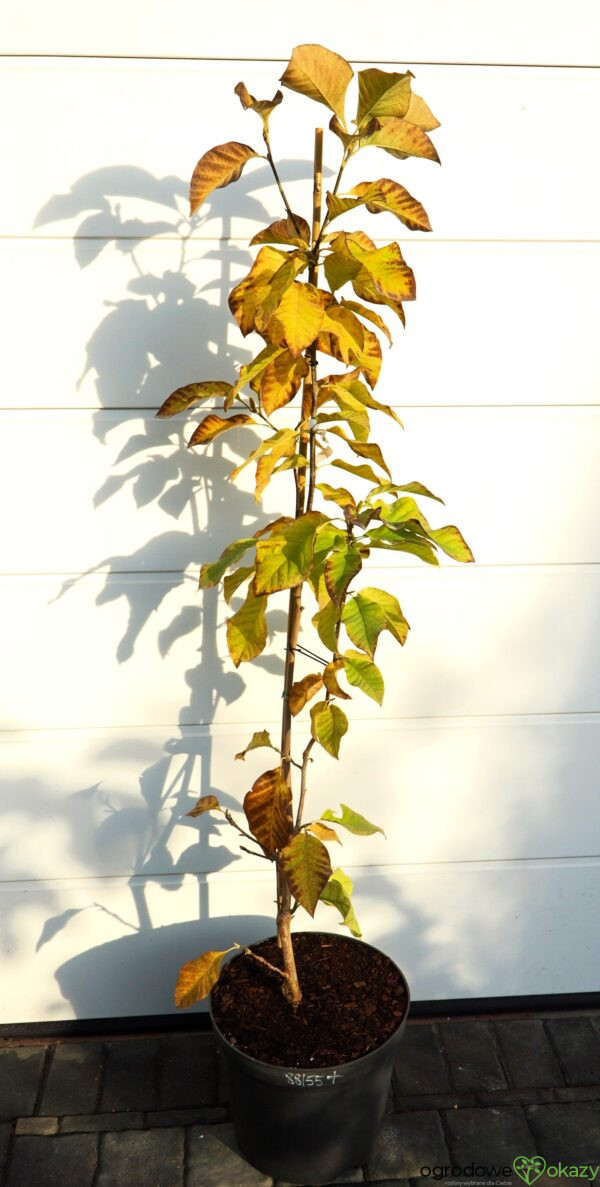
(279, 185)
(261, 960)
(305, 759)
(234, 824)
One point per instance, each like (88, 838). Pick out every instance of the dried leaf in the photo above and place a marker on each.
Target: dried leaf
(319, 74)
(217, 168)
(197, 977)
(259, 739)
(206, 803)
(303, 690)
(267, 810)
(192, 393)
(212, 426)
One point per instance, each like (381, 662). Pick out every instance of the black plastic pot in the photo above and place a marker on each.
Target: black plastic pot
(308, 1125)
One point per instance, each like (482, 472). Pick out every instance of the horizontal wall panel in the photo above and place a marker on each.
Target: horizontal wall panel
(467, 31)
(135, 136)
(78, 804)
(482, 331)
(133, 650)
(109, 948)
(121, 492)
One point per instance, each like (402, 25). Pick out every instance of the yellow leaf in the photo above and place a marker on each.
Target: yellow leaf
(212, 426)
(245, 297)
(419, 113)
(285, 559)
(184, 397)
(331, 682)
(325, 622)
(369, 358)
(307, 868)
(328, 726)
(341, 567)
(319, 74)
(284, 448)
(303, 690)
(402, 139)
(298, 318)
(197, 977)
(206, 803)
(233, 580)
(369, 315)
(295, 232)
(217, 168)
(387, 195)
(322, 831)
(337, 494)
(253, 370)
(247, 629)
(263, 107)
(345, 326)
(211, 573)
(267, 810)
(281, 380)
(364, 674)
(338, 893)
(259, 739)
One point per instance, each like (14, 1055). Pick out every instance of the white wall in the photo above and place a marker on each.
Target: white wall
(119, 704)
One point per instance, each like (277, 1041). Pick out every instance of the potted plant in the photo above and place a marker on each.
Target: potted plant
(308, 1027)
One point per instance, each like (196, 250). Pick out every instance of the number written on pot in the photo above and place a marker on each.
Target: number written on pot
(308, 1080)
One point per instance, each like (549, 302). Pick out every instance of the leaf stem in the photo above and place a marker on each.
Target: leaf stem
(305, 760)
(288, 208)
(261, 960)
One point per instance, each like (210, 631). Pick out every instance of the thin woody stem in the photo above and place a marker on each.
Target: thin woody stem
(288, 208)
(234, 824)
(261, 960)
(305, 758)
(336, 187)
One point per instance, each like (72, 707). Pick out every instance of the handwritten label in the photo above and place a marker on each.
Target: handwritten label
(311, 1080)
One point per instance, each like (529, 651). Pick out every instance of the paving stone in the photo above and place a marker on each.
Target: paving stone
(405, 1144)
(585, 1092)
(577, 1043)
(20, 1072)
(214, 1160)
(101, 1122)
(53, 1162)
(527, 1054)
(130, 1077)
(141, 1158)
(349, 1177)
(449, 1100)
(209, 1115)
(474, 1064)
(5, 1137)
(486, 1136)
(420, 1065)
(188, 1074)
(517, 1096)
(566, 1132)
(73, 1080)
(45, 1126)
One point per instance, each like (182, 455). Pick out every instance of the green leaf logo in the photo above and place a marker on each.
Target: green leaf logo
(529, 1169)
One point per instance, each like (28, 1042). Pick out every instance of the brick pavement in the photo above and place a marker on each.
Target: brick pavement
(152, 1111)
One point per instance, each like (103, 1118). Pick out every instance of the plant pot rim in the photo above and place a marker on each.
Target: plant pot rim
(353, 1064)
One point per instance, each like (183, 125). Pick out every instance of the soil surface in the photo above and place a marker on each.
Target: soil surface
(353, 1000)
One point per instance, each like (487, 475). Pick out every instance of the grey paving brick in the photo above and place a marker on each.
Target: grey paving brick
(208, 1115)
(577, 1043)
(405, 1144)
(517, 1096)
(188, 1074)
(141, 1158)
(5, 1137)
(101, 1122)
(566, 1132)
(527, 1054)
(474, 1063)
(53, 1162)
(449, 1100)
(582, 1092)
(130, 1076)
(41, 1125)
(487, 1136)
(20, 1072)
(349, 1177)
(73, 1079)
(215, 1161)
(420, 1065)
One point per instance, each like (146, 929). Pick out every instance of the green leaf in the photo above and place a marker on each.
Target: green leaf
(412, 488)
(206, 803)
(192, 393)
(319, 74)
(450, 540)
(403, 540)
(217, 168)
(394, 620)
(211, 573)
(285, 559)
(247, 629)
(303, 690)
(364, 621)
(325, 622)
(234, 580)
(307, 868)
(213, 426)
(382, 93)
(328, 726)
(353, 821)
(267, 807)
(340, 568)
(364, 674)
(338, 893)
(197, 977)
(259, 739)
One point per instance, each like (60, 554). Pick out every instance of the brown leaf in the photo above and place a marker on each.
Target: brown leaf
(192, 393)
(212, 426)
(263, 107)
(322, 831)
(281, 380)
(303, 690)
(285, 231)
(267, 810)
(206, 803)
(331, 682)
(217, 168)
